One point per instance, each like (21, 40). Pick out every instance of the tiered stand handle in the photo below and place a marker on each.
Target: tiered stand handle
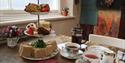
(38, 15)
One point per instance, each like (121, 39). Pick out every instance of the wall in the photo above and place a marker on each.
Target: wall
(67, 4)
(65, 26)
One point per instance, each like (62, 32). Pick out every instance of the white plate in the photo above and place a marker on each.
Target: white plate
(35, 35)
(79, 61)
(50, 56)
(71, 56)
(38, 13)
(99, 48)
(64, 53)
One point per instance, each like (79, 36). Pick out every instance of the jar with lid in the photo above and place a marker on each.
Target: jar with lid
(76, 34)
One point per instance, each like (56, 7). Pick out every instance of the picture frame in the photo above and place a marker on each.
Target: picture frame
(109, 4)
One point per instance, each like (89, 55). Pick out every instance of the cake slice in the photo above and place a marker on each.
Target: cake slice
(26, 50)
(53, 43)
(39, 52)
(49, 50)
(45, 24)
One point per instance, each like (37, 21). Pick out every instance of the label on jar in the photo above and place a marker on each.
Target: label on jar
(78, 35)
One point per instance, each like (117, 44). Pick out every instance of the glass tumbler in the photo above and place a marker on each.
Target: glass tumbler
(12, 42)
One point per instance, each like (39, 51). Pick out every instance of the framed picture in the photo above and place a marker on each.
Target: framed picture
(108, 23)
(109, 4)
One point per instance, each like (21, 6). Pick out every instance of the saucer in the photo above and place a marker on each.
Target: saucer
(82, 61)
(99, 48)
(68, 55)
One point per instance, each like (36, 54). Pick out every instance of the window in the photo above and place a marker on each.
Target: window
(20, 4)
(12, 11)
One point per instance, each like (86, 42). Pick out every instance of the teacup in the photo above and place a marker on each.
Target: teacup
(72, 47)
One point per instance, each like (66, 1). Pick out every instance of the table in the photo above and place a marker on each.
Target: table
(10, 55)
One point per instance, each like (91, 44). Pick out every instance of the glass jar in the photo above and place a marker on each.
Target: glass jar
(77, 35)
(12, 42)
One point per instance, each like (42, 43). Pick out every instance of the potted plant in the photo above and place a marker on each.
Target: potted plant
(12, 34)
(65, 11)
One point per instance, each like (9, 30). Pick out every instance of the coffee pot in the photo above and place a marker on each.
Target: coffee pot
(76, 34)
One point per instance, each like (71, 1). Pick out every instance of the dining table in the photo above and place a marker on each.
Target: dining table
(11, 54)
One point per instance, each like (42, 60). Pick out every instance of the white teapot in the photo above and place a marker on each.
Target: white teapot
(105, 54)
(106, 58)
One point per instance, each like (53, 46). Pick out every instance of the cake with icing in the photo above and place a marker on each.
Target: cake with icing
(38, 50)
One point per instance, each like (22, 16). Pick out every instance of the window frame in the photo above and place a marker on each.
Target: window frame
(9, 4)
